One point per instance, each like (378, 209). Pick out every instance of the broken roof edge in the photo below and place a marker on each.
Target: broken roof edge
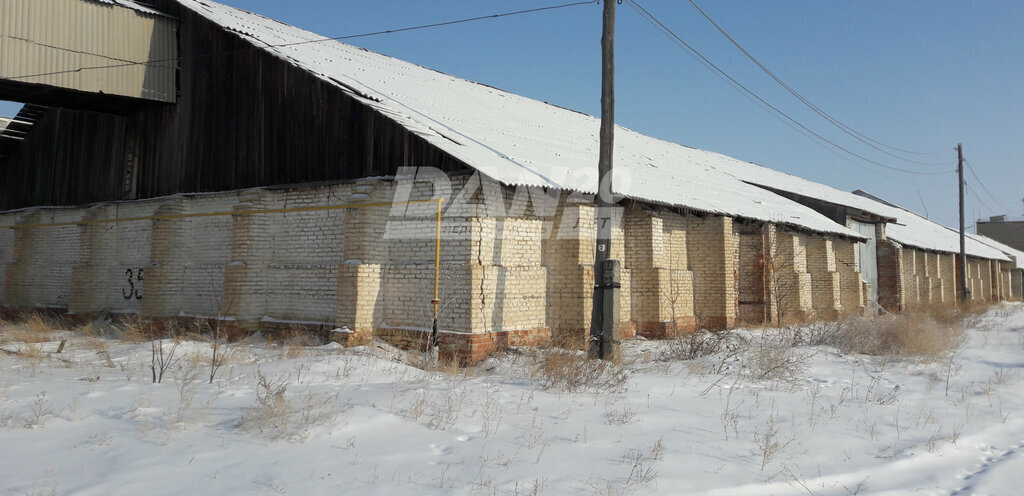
(828, 194)
(973, 248)
(860, 211)
(137, 7)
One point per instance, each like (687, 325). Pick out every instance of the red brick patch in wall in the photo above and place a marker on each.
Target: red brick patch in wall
(667, 330)
(467, 348)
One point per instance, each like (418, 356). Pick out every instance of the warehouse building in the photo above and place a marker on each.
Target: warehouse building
(291, 181)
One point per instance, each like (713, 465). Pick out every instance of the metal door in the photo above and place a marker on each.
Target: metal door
(866, 253)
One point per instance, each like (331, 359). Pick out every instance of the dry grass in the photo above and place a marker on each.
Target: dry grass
(772, 356)
(32, 328)
(445, 364)
(912, 335)
(575, 341)
(134, 330)
(697, 344)
(572, 371)
(276, 417)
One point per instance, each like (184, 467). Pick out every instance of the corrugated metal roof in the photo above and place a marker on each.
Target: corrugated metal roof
(131, 5)
(908, 229)
(513, 139)
(13, 131)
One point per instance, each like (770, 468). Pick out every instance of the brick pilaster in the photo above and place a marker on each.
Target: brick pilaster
(825, 279)
(714, 254)
(86, 297)
(245, 285)
(165, 276)
(18, 280)
(789, 286)
(364, 251)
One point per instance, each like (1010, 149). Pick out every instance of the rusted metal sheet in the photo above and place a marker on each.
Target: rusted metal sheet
(89, 46)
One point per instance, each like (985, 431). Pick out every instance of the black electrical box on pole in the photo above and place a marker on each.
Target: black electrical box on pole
(964, 292)
(604, 323)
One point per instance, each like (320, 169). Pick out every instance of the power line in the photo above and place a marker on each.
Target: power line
(711, 66)
(836, 122)
(447, 23)
(267, 45)
(70, 50)
(970, 168)
(982, 202)
(767, 108)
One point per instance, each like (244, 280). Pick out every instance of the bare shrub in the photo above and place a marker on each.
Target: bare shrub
(640, 473)
(439, 409)
(187, 387)
(566, 340)
(620, 417)
(572, 371)
(217, 340)
(769, 442)
(163, 355)
(272, 410)
(40, 409)
(772, 357)
(698, 344)
(277, 418)
(820, 333)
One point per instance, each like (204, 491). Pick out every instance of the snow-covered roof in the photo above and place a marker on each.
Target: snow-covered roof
(1016, 255)
(781, 181)
(513, 139)
(904, 226)
(913, 230)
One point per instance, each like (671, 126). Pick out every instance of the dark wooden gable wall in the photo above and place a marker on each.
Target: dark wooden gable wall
(244, 118)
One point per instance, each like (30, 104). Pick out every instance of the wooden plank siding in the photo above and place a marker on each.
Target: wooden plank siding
(244, 118)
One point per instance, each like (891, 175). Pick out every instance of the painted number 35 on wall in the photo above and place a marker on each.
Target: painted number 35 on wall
(132, 290)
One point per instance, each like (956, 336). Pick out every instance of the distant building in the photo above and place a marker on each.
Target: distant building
(1005, 229)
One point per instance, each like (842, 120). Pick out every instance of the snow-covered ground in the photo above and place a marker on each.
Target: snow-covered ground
(328, 420)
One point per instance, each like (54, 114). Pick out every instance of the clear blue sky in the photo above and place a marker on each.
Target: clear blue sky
(920, 75)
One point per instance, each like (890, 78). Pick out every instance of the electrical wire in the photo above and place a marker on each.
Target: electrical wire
(982, 202)
(830, 118)
(335, 38)
(970, 168)
(447, 23)
(711, 66)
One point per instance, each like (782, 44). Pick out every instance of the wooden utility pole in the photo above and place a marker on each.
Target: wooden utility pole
(964, 292)
(604, 335)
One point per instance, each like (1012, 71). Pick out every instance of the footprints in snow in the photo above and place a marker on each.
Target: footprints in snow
(992, 458)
